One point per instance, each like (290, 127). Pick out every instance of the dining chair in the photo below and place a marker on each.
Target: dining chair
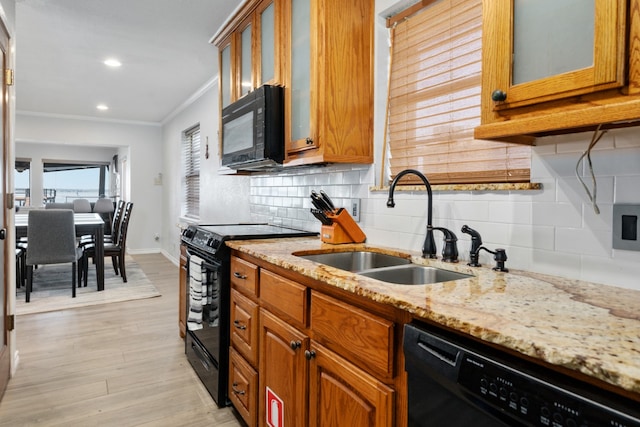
(52, 240)
(114, 226)
(81, 206)
(116, 250)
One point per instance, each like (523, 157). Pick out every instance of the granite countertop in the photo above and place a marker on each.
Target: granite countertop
(582, 326)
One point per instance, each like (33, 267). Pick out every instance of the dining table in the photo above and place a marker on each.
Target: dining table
(86, 224)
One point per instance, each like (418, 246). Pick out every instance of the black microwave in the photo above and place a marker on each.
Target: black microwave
(253, 130)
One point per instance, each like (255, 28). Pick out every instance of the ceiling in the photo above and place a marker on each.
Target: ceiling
(163, 46)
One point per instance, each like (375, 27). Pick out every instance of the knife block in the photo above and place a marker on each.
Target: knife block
(343, 230)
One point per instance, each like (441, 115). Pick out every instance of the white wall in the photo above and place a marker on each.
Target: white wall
(223, 198)
(138, 143)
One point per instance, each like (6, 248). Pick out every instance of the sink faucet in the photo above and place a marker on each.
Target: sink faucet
(450, 249)
(476, 242)
(429, 246)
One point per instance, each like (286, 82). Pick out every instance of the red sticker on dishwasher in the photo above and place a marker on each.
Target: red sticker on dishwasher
(275, 409)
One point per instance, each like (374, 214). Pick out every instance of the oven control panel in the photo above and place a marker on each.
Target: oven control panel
(201, 239)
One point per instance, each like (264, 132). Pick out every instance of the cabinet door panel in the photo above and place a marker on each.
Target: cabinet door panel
(244, 326)
(243, 383)
(365, 338)
(503, 45)
(342, 395)
(283, 369)
(267, 62)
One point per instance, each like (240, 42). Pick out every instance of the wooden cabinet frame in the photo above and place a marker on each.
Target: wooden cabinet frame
(613, 99)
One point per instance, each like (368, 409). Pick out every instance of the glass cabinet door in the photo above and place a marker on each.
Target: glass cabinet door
(225, 75)
(267, 44)
(549, 49)
(246, 66)
(300, 74)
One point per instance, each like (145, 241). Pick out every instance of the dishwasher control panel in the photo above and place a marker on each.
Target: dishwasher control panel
(461, 381)
(533, 400)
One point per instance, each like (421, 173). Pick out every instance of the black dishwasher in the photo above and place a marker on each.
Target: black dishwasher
(453, 381)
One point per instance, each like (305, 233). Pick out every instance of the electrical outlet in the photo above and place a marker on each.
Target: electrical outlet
(625, 227)
(354, 209)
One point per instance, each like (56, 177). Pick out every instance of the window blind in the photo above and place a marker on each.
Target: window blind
(434, 100)
(191, 172)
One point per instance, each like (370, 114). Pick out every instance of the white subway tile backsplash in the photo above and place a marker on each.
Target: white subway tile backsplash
(557, 214)
(627, 189)
(553, 230)
(583, 241)
(627, 137)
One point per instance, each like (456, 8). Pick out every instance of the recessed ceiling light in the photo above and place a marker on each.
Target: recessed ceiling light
(112, 62)
(102, 107)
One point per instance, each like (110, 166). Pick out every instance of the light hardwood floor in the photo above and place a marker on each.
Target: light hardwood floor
(119, 364)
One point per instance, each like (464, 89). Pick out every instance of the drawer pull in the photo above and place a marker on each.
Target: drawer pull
(238, 275)
(239, 325)
(236, 391)
(309, 354)
(295, 345)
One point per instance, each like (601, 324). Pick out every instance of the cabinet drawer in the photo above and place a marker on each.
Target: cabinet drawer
(243, 387)
(244, 275)
(244, 326)
(288, 297)
(357, 334)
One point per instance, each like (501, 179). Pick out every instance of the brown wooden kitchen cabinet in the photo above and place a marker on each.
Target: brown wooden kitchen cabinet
(340, 394)
(182, 292)
(598, 83)
(250, 49)
(329, 81)
(328, 362)
(244, 334)
(322, 53)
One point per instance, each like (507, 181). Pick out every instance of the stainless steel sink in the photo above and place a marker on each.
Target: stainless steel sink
(357, 261)
(413, 275)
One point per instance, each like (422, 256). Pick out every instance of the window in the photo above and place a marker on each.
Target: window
(65, 181)
(191, 172)
(21, 182)
(434, 99)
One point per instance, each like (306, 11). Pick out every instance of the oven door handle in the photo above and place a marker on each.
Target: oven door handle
(207, 265)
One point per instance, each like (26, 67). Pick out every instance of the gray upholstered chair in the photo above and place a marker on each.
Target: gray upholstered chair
(52, 240)
(81, 206)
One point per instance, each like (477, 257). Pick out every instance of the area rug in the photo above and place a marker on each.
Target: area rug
(52, 288)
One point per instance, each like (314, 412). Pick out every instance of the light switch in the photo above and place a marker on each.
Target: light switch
(625, 227)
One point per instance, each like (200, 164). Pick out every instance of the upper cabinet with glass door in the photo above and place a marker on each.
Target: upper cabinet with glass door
(322, 53)
(329, 81)
(249, 52)
(554, 66)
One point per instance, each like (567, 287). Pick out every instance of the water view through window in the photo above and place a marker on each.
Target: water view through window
(63, 185)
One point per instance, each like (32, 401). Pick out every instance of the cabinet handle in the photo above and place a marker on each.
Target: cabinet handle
(498, 95)
(309, 354)
(236, 391)
(238, 325)
(239, 275)
(295, 345)
(309, 141)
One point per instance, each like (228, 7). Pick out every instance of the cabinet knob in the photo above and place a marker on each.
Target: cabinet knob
(235, 389)
(239, 325)
(239, 275)
(309, 354)
(309, 141)
(498, 95)
(295, 345)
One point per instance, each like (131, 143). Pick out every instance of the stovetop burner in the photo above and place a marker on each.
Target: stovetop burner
(211, 237)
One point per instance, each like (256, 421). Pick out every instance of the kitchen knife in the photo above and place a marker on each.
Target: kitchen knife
(321, 217)
(320, 203)
(328, 201)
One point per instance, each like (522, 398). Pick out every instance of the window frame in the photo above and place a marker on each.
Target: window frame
(190, 153)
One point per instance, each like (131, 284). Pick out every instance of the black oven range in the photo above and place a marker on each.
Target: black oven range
(208, 296)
